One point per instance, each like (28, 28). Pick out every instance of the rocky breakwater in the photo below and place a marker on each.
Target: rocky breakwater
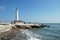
(29, 26)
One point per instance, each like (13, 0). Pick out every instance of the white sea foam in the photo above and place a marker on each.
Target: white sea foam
(31, 35)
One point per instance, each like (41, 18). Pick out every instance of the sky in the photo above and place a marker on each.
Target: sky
(41, 11)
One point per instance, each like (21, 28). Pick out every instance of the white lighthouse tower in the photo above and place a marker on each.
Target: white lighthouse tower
(17, 14)
(17, 21)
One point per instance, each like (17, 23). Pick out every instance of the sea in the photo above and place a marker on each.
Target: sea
(47, 33)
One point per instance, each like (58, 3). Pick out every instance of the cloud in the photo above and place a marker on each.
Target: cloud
(1, 8)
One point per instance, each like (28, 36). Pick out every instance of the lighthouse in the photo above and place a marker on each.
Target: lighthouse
(17, 21)
(17, 14)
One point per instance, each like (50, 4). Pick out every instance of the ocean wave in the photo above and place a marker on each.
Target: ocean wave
(31, 35)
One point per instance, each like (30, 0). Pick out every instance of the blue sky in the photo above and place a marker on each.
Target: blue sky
(42, 11)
